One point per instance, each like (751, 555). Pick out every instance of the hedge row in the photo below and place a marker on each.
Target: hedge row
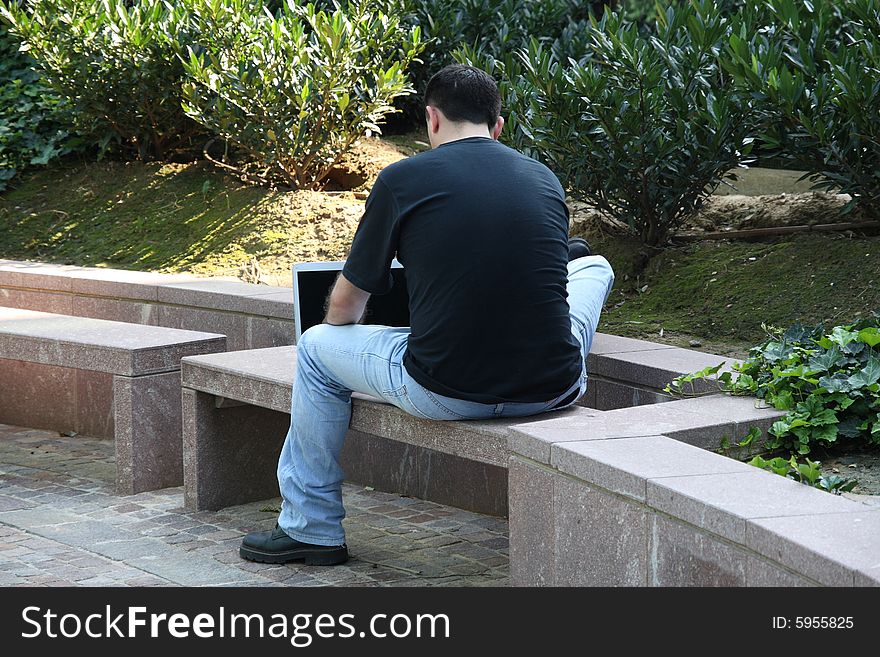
(291, 89)
(643, 118)
(645, 123)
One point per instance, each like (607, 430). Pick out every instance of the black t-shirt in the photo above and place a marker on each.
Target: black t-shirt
(482, 232)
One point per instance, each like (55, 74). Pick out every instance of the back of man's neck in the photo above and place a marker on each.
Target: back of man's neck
(464, 132)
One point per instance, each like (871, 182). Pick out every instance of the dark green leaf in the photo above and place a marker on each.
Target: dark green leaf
(867, 376)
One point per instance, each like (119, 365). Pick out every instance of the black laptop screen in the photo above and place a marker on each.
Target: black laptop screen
(313, 286)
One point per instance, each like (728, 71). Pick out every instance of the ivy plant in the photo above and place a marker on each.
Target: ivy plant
(827, 382)
(808, 473)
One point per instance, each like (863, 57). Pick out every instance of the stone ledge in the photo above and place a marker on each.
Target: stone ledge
(264, 377)
(725, 539)
(840, 549)
(47, 302)
(723, 503)
(97, 344)
(93, 281)
(702, 421)
(261, 377)
(626, 465)
(711, 520)
(655, 368)
(232, 296)
(122, 284)
(36, 275)
(604, 343)
(229, 294)
(608, 395)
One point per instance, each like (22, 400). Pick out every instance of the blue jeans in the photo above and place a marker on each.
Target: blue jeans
(334, 361)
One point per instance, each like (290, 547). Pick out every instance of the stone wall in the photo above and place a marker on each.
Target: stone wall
(251, 316)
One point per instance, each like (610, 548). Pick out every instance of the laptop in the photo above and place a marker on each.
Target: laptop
(312, 282)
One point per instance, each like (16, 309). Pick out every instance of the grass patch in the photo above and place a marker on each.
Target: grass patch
(159, 217)
(168, 218)
(721, 292)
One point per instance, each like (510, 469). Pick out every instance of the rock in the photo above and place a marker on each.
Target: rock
(695, 343)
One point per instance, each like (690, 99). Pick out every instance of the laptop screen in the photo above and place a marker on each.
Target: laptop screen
(312, 282)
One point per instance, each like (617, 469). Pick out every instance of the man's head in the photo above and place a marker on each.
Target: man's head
(467, 98)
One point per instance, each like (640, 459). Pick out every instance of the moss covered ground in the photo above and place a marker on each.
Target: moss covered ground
(132, 216)
(171, 218)
(720, 293)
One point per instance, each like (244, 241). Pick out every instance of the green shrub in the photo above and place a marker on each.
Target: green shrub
(814, 69)
(493, 28)
(112, 62)
(827, 382)
(644, 128)
(33, 125)
(296, 89)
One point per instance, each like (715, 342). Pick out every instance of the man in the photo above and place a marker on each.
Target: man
(503, 308)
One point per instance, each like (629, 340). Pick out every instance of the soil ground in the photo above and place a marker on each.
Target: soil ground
(863, 466)
(708, 295)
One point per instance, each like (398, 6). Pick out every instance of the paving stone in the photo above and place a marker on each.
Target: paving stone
(146, 580)
(132, 549)
(38, 517)
(129, 541)
(191, 570)
(10, 579)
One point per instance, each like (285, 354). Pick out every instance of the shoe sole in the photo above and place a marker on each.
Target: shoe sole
(311, 557)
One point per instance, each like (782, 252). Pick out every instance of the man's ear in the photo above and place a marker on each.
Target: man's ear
(496, 131)
(433, 118)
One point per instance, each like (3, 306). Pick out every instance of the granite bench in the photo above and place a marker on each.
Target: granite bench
(104, 378)
(639, 497)
(236, 412)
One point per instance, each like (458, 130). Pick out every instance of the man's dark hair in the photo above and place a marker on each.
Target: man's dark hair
(464, 93)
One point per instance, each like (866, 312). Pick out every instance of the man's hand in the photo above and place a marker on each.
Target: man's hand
(346, 303)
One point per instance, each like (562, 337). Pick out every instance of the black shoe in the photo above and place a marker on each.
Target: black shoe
(277, 547)
(578, 247)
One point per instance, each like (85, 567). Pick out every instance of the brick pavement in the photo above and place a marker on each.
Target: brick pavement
(62, 524)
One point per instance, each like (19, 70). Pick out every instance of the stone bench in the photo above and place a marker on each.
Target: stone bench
(236, 412)
(638, 497)
(103, 378)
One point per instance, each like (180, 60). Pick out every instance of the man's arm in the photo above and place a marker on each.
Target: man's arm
(346, 303)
